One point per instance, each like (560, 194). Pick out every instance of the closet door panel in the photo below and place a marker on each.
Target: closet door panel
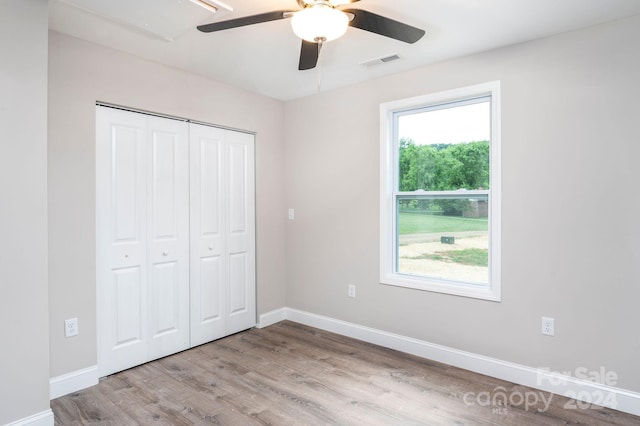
(165, 288)
(127, 183)
(168, 230)
(208, 158)
(240, 232)
(166, 182)
(121, 264)
(238, 182)
(211, 289)
(208, 269)
(238, 283)
(128, 289)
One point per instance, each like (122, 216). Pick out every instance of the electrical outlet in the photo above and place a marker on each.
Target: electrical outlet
(351, 292)
(548, 326)
(292, 214)
(71, 327)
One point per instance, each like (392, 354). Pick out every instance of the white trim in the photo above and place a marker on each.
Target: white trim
(536, 378)
(44, 418)
(272, 317)
(389, 191)
(73, 382)
(421, 194)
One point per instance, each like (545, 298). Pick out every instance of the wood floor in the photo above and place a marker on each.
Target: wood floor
(290, 374)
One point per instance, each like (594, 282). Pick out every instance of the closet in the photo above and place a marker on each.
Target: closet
(175, 236)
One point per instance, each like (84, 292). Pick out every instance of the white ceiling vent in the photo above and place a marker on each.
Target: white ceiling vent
(165, 19)
(380, 60)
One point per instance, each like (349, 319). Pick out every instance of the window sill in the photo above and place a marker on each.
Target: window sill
(435, 285)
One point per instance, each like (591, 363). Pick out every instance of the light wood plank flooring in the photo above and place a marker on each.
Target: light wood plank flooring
(291, 374)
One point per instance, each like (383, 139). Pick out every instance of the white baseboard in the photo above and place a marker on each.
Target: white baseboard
(73, 382)
(536, 378)
(272, 317)
(44, 418)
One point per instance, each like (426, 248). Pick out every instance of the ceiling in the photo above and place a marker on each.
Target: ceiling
(263, 58)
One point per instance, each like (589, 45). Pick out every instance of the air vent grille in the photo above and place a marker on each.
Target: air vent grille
(390, 58)
(381, 60)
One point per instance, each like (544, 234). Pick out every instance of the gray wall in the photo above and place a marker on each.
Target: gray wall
(81, 73)
(570, 246)
(24, 387)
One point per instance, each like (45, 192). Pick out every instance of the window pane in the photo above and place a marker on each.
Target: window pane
(445, 148)
(440, 199)
(445, 238)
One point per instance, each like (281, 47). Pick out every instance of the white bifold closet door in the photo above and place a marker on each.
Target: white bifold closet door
(175, 217)
(222, 233)
(142, 238)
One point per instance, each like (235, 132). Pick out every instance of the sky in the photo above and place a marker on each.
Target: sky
(451, 125)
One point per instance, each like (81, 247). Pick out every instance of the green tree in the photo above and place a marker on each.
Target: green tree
(472, 172)
(444, 167)
(407, 165)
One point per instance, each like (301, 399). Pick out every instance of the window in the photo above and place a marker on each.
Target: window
(440, 192)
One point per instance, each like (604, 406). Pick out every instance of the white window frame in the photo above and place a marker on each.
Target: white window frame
(389, 194)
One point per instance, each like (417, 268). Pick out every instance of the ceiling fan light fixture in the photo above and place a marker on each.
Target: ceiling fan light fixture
(319, 23)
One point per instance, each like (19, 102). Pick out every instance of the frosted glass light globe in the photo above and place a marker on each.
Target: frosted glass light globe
(319, 23)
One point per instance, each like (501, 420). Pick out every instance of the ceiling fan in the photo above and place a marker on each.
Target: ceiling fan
(320, 21)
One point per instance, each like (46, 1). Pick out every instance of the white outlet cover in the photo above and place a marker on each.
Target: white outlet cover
(351, 292)
(548, 326)
(71, 327)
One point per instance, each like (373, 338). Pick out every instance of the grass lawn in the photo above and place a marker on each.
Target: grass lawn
(413, 223)
(470, 256)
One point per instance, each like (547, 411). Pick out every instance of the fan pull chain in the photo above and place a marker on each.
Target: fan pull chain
(319, 65)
